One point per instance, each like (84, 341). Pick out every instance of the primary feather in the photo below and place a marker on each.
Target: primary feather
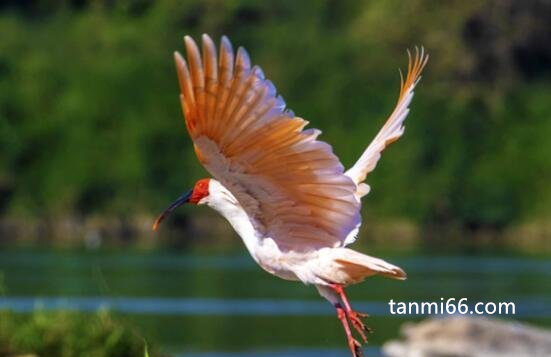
(291, 184)
(394, 126)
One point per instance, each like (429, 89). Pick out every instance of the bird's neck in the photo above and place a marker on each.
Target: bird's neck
(222, 200)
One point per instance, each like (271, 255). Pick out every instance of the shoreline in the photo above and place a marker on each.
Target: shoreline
(209, 230)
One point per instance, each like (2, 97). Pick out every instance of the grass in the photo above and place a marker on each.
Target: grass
(69, 334)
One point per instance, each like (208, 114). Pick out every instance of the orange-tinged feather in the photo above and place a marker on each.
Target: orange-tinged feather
(291, 185)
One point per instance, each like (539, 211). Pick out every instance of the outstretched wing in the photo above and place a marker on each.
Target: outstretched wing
(291, 185)
(393, 128)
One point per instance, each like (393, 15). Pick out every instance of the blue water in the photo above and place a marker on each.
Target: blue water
(225, 306)
(298, 352)
(525, 308)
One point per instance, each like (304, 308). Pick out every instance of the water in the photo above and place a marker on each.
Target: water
(225, 306)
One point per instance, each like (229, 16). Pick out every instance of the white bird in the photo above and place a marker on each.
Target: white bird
(283, 191)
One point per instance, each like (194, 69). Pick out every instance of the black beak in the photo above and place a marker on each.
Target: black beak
(180, 201)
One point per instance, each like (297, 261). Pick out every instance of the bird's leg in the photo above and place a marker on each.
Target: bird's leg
(355, 346)
(354, 316)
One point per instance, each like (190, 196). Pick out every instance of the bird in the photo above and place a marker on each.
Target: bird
(283, 190)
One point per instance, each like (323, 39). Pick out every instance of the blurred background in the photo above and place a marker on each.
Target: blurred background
(93, 147)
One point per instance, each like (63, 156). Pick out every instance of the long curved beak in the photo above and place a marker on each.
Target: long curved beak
(179, 201)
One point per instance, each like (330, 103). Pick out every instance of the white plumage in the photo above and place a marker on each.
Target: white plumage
(283, 191)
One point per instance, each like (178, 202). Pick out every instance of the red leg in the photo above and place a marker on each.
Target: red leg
(355, 346)
(354, 316)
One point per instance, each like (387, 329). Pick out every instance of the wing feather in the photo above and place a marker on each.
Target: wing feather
(393, 128)
(291, 185)
(211, 77)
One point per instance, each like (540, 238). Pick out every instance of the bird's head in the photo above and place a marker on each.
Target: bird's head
(198, 195)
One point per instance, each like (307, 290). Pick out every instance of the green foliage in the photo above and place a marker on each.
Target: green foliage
(2, 284)
(145, 351)
(90, 121)
(67, 334)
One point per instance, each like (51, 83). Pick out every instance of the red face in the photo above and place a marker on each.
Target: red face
(200, 191)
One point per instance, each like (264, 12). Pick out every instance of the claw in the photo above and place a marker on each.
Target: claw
(355, 347)
(361, 314)
(357, 351)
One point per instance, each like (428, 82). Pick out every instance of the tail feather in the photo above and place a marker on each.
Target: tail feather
(353, 267)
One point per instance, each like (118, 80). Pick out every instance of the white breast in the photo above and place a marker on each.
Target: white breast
(263, 249)
(221, 200)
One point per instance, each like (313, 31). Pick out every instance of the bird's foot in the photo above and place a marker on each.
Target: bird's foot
(355, 347)
(353, 344)
(354, 316)
(356, 320)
